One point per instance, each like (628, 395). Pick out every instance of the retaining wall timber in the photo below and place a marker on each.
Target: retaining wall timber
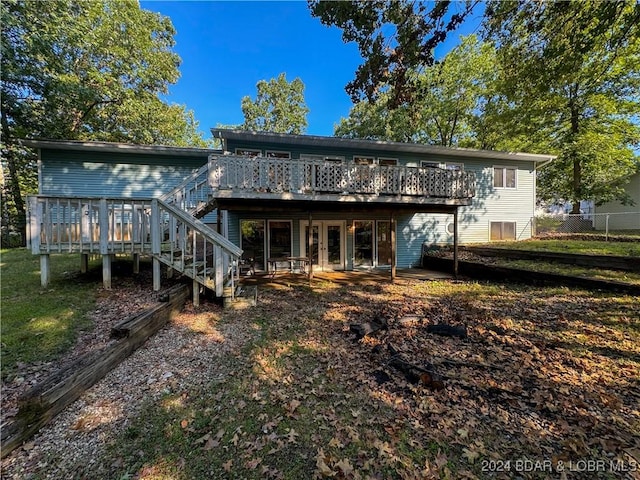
(48, 398)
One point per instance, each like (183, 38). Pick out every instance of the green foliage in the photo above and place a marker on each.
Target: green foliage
(456, 104)
(279, 107)
(86, 71)
(572, 71)
(394, 39)
(564, 80)
(37, 324)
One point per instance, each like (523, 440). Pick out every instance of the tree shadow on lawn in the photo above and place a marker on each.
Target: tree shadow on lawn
(306, 398)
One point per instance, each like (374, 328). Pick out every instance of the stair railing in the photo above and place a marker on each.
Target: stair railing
(193, 194)
(187, 245)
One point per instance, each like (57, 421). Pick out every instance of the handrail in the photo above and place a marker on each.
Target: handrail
(318, 176)
(214, 236)
(192, 193)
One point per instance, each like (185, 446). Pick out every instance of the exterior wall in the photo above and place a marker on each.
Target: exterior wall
(407, 254)
(99, 174)
(618, 221)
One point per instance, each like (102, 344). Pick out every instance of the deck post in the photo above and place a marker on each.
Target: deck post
(310, 247)
(455, 243)
(392, 235)
(84, 262)
(106, 271)
(156, 244)
(196, 293)
(45, 271)
(136, 263)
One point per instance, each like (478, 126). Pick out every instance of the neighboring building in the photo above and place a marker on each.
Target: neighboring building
(371, 204)
(622, 217)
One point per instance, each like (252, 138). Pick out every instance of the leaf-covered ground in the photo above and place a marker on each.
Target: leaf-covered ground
(546, 385)
(547, 379)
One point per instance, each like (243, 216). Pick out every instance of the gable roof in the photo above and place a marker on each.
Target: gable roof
(380, 145)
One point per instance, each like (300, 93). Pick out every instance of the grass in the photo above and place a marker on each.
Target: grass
(573, 270)
(586, 247)
(39, 324)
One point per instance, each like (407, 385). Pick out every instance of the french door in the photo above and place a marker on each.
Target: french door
(328, 244)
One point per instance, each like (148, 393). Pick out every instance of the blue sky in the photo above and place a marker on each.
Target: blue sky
(227, 47)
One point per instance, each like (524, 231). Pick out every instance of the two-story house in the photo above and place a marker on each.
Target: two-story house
(267, 199)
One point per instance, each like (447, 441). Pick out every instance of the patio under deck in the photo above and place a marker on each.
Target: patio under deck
(349, 277)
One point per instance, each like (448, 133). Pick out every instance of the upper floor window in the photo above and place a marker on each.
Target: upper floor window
(454, 166)
(248, 152)
(326, 158)
(426, 164)
(358, 160)
(387, 161)
(276, 154)
(505, 177)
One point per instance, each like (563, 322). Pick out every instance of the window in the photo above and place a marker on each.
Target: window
(279, 239)
(247, 152)
(504, 177)
(275, 154)
(363, 243)
(325, 158)
(387, 161)
(425, 164)
(454, 166)
(363, 160)
(252, 242)
(503, 230)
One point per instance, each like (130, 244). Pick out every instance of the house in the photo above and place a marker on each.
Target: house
(616, 216)
(370, 204)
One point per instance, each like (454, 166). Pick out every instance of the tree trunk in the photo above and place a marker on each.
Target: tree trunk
(575, 158)
(14, 183)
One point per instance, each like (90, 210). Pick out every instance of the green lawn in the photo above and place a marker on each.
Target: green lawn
(38, 324)
(585, 247)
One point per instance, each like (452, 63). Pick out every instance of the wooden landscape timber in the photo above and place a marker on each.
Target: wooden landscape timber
(45, 400)
(628, 264)
(527, 277)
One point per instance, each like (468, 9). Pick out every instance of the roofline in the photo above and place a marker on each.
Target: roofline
(338, 142)
(113, 147)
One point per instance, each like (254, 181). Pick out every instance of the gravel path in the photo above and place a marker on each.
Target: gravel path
(188, 353)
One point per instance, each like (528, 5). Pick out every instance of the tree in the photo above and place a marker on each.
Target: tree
(573, 77)
(279, 107)
(456, 103)
(569, 78)
(395, 38)
(83, 70)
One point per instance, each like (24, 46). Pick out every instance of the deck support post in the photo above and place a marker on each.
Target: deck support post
(156, 242)
(45, 270)
(156, 274)
(310, 246)
(136, 263)
(106, 271)
(196, 293)
(84, 262)
(392, 236)
(455, 243)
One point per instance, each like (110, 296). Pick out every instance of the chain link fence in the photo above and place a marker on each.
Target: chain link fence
(606, 225)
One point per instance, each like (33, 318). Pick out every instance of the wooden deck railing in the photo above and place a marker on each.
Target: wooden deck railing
(89, 225)
(315, 176)
(109, 226)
